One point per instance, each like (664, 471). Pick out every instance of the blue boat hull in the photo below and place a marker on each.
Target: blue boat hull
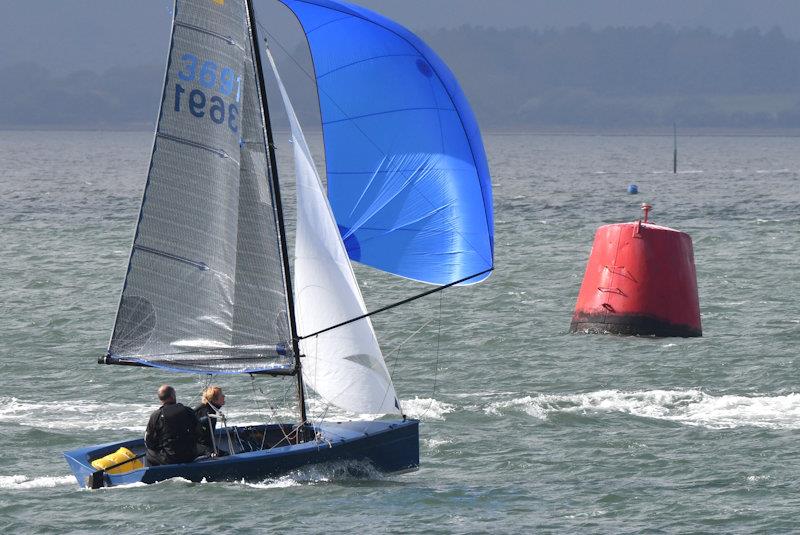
(388, 446)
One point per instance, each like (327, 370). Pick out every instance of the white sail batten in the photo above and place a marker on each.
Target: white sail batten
(345, 365)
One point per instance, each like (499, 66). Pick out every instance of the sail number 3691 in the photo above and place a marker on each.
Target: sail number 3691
(199, 104)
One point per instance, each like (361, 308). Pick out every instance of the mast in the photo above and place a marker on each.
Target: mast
(273, 167)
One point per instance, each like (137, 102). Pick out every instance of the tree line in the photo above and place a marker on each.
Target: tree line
(515, 78)
(626, 76)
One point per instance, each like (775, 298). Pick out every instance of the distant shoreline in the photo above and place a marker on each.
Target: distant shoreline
(647, 132)
(134, 127)
(542, 131)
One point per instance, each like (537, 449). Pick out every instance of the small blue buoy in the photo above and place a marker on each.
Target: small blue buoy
(633, 189)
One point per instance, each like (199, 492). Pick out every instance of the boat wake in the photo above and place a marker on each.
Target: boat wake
(333, 472)
(95, 416)
(688, 407)
(426, 408)
(433, 444)
(279, 483)
(20, 482)
(75, 414)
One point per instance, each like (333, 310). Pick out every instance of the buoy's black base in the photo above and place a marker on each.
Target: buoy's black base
(630, 325)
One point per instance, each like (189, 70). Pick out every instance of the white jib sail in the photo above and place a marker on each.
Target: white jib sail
(345, 365)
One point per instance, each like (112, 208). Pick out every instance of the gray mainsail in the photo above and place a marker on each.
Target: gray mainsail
(205, 289)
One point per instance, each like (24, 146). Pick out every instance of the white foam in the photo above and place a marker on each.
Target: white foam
(426, 408)
(591, 514)
(482, 394)
(320, 473)
(91, 415)
(74, 414)
(536, 406)
(434, 443)
(280, 483)
(689, 407)
(44, 482)
(134, 485)
(171, 481)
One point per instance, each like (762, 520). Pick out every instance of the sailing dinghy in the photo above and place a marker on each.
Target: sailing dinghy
(209, 288)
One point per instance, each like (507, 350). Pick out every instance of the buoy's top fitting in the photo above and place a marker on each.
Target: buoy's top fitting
(646, 209)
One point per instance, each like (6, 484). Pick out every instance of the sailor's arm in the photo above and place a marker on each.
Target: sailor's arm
(151, 433)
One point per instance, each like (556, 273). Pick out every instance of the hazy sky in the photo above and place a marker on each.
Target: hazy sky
(69, 35)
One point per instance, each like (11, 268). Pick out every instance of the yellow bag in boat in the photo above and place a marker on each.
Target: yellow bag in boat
(117, 457)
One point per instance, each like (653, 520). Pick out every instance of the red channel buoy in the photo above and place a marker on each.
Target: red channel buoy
(640, 280)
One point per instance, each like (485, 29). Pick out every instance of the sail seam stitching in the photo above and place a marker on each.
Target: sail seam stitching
(365, 61)
(334, 21)
(354, 117)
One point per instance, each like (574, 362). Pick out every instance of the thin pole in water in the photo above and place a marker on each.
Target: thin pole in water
(674, 148)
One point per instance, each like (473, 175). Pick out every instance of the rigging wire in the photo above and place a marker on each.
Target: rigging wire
(441, 288)
(326, 403)
(399, 303)
(275, 40)
(396, 352)
(272, 415)
(255, 396)
(436, 367)
(324, 413)
(311, 77)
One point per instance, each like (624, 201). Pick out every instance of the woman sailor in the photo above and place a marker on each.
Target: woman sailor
(208, 412)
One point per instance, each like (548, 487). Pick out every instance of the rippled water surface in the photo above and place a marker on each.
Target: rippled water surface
(524, 426)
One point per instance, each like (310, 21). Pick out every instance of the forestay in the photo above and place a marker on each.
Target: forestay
(344, 365)
(205, 287)
(407, 175)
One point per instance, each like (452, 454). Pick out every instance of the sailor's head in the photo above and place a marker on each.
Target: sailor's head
(214, 395)
(166, 394)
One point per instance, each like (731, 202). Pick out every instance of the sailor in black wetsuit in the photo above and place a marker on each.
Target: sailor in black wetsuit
(208, 412)
(172, 431)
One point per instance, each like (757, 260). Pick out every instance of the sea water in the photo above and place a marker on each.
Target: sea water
(525, 427)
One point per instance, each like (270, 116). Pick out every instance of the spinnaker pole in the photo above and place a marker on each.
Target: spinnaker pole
(276, 189)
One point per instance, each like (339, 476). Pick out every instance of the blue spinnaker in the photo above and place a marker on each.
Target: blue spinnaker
(407, 174)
